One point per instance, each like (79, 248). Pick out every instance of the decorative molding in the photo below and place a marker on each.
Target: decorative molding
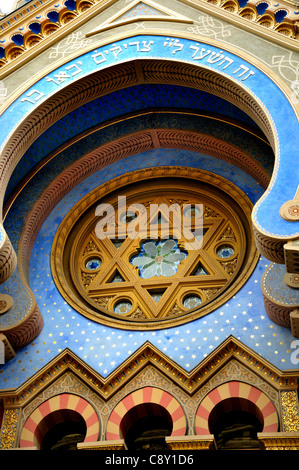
(269, 247)
(290, 410)
(102, 445)
(278, 313)
(278, 441)
(230, 371)
(256, 403)
(190, 443)
(29, 42)
(265, 25)
(159, 138)
(107, 81)
(8, 257)
(280, 300)
(120, 76)
(127, 15)
(6, 303)
(291, 255)
(215, 147)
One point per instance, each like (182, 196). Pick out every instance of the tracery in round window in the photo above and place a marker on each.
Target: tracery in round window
(155, 249)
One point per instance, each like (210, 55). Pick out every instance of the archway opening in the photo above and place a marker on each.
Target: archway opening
(145, 426)
(65, 428)
(213, 88)
(235, 423)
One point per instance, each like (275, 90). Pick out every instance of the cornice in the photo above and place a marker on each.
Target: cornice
(148, 354)
(64, 101)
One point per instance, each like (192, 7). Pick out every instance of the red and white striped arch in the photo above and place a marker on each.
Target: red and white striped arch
(250, 399)
(144, 401)
(54, 411)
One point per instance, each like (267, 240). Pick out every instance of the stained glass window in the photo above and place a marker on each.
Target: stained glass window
(93, 264)
(158, 258)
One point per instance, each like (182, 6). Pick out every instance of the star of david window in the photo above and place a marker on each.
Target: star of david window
(157, 277)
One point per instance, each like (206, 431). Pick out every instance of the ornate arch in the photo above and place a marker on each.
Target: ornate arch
(208, 68)
(42, 419)
(27, 329)
(252, 396)
(145, 396)
(112, 67)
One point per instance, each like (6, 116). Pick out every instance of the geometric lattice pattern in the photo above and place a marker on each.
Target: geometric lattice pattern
(250, 398)
(143, 397)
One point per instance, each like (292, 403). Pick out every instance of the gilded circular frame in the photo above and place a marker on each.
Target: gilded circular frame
(95, 295)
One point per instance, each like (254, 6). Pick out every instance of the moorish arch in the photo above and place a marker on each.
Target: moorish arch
(224, 74)
(143, 402)
(236, 395)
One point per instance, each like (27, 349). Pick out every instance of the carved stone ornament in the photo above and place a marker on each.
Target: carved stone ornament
(157, 275)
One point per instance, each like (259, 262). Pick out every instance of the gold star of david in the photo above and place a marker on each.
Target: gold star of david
(117, 280)
(148, 272)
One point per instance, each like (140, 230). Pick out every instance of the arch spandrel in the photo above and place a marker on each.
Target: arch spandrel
(222, 72)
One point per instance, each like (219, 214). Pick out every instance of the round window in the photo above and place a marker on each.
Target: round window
(157, 251)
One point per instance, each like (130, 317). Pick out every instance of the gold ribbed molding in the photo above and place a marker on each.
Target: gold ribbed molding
(148, 366)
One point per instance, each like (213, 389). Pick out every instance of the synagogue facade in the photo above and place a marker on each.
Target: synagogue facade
(149, 238)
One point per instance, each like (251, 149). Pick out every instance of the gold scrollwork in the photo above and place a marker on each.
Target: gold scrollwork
(290, 411)
(10, 423)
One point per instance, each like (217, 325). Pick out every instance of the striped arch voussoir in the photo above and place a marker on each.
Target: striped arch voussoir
(143, 397)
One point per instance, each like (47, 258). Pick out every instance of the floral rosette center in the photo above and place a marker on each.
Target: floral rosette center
(158, 258)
